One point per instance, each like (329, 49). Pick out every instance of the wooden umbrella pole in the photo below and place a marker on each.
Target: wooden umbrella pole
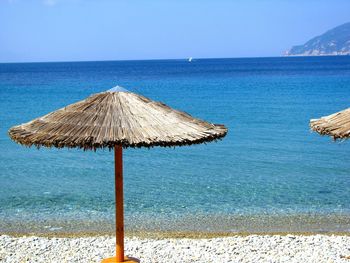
(119, 208)
(119, 211)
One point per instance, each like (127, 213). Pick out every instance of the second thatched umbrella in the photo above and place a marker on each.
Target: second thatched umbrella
(116, 119)
(336, 125)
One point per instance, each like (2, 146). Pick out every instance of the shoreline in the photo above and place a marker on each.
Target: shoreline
(169, 234)
(206, 226)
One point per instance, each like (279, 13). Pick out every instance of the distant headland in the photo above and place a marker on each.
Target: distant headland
(332, 43)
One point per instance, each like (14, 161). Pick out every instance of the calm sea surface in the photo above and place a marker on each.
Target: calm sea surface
(270, 173)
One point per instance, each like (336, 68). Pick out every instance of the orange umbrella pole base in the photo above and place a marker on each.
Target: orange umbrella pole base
(114, 260)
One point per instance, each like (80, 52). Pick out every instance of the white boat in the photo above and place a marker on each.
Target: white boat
(190, 59)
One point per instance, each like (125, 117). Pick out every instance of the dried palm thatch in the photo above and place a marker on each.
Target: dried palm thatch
(336, 125)
(112, 118)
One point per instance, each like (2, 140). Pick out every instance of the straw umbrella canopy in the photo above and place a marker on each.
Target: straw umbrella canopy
(336, 125)
(116, 119)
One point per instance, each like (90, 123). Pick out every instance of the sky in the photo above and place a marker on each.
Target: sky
(90, 30)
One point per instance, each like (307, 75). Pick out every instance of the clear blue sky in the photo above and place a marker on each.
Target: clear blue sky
(79, 30)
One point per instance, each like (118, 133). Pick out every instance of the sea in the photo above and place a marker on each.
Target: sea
(269, 174)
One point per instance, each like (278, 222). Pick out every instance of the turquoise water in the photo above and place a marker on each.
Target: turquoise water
(269, 173)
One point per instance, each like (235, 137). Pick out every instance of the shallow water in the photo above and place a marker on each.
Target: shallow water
(269, 164)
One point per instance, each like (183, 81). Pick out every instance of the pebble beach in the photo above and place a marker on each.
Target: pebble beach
(251, 248)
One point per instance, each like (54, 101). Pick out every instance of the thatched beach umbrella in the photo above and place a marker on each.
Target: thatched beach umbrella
(336, 125)
(116, 119)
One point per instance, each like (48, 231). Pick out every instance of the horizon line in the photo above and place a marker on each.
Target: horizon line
(121, 60)
(160, 59)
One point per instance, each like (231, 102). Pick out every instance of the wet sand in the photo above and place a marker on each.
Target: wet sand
(199, 226)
